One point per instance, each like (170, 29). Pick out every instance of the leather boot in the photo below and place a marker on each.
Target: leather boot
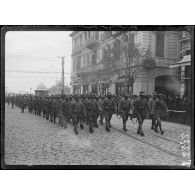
(90, 128)
(124, 127)
(160, 126)
(81, 126)
(141, 131)
(156, 127)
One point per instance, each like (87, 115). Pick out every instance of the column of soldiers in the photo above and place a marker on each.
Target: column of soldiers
(87, 109)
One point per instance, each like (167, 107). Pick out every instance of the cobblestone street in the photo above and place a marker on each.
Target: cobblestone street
(32, 140)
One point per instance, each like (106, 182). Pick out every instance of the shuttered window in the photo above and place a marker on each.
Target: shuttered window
(160, 38)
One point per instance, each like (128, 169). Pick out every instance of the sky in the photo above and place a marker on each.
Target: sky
(29, 51)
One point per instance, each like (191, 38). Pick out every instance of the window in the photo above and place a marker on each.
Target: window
(85, 35)
(88, 59)
(160, 44)
(94, 57)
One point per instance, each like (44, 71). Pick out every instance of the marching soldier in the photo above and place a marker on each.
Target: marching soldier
(55, 109)
(151, 103)
(92, 113)
(39, 105)
(8, 99)
(100, 101)
(125, 107)
(47, 107)
(140, 110)
(22, 104)
(108, 110)
(12, 101)
(44, 106)
(30, 104)
(50, 104)
(65, 110)
(159, 110)
(85, 102)
(77, 111)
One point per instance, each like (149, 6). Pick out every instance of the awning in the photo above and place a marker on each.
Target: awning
(186, 61)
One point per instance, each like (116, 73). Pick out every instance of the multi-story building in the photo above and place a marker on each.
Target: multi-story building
(105, 61)
(184, 63)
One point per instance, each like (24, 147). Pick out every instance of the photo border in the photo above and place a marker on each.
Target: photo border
(5, 29)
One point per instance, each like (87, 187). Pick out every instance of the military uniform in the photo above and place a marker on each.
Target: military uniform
(125, 108)
(92, 113)
(50, 103)
(85, 102)
(77, 111)
(108, 110)
(8, 100)
(151, 104)
(140, 110)
(30, 104)
(12, 101)
(65, 112)
(47, 108)
(159, 111)
(100, 103)
(22, 104)
(54, 110)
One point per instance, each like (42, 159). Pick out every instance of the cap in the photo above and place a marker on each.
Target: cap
(109, 94)
(154, 93)
(159, 95)
(142, 93)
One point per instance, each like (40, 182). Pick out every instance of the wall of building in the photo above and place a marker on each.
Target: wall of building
(145, 40)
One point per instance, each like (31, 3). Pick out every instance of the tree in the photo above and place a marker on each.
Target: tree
(132, 54)
(122, 56)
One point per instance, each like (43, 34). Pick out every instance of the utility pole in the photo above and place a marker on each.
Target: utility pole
(62, 75)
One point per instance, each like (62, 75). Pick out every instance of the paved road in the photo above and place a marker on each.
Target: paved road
(32, 140)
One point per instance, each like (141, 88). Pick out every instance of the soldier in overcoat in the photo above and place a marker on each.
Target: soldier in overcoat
(151, 103)
(125, 107)
(159, 111)
(108, 107)
(141, 109)
(77, 112)
(55, 107)
(92, 113)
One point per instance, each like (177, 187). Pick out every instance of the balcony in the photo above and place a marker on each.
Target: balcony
(185, 38)
(91, 42)
(152, 62)
(117, 33)
(157, 62)
(106, 35)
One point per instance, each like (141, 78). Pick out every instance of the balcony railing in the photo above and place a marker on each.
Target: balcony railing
(106, 35)
(154, 62)
(117, 33)
(146, 62)
(91, 42)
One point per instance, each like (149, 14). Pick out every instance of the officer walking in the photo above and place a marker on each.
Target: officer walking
(154, 98)
(125, 107)
(159, 110)
(140, 110)
(12, 101)
(54, 109)
(22, 104)
(92, 113)
(100, 102)
(108, 110)
(77, 111)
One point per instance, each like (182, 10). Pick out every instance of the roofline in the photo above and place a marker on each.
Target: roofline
(73, 33)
